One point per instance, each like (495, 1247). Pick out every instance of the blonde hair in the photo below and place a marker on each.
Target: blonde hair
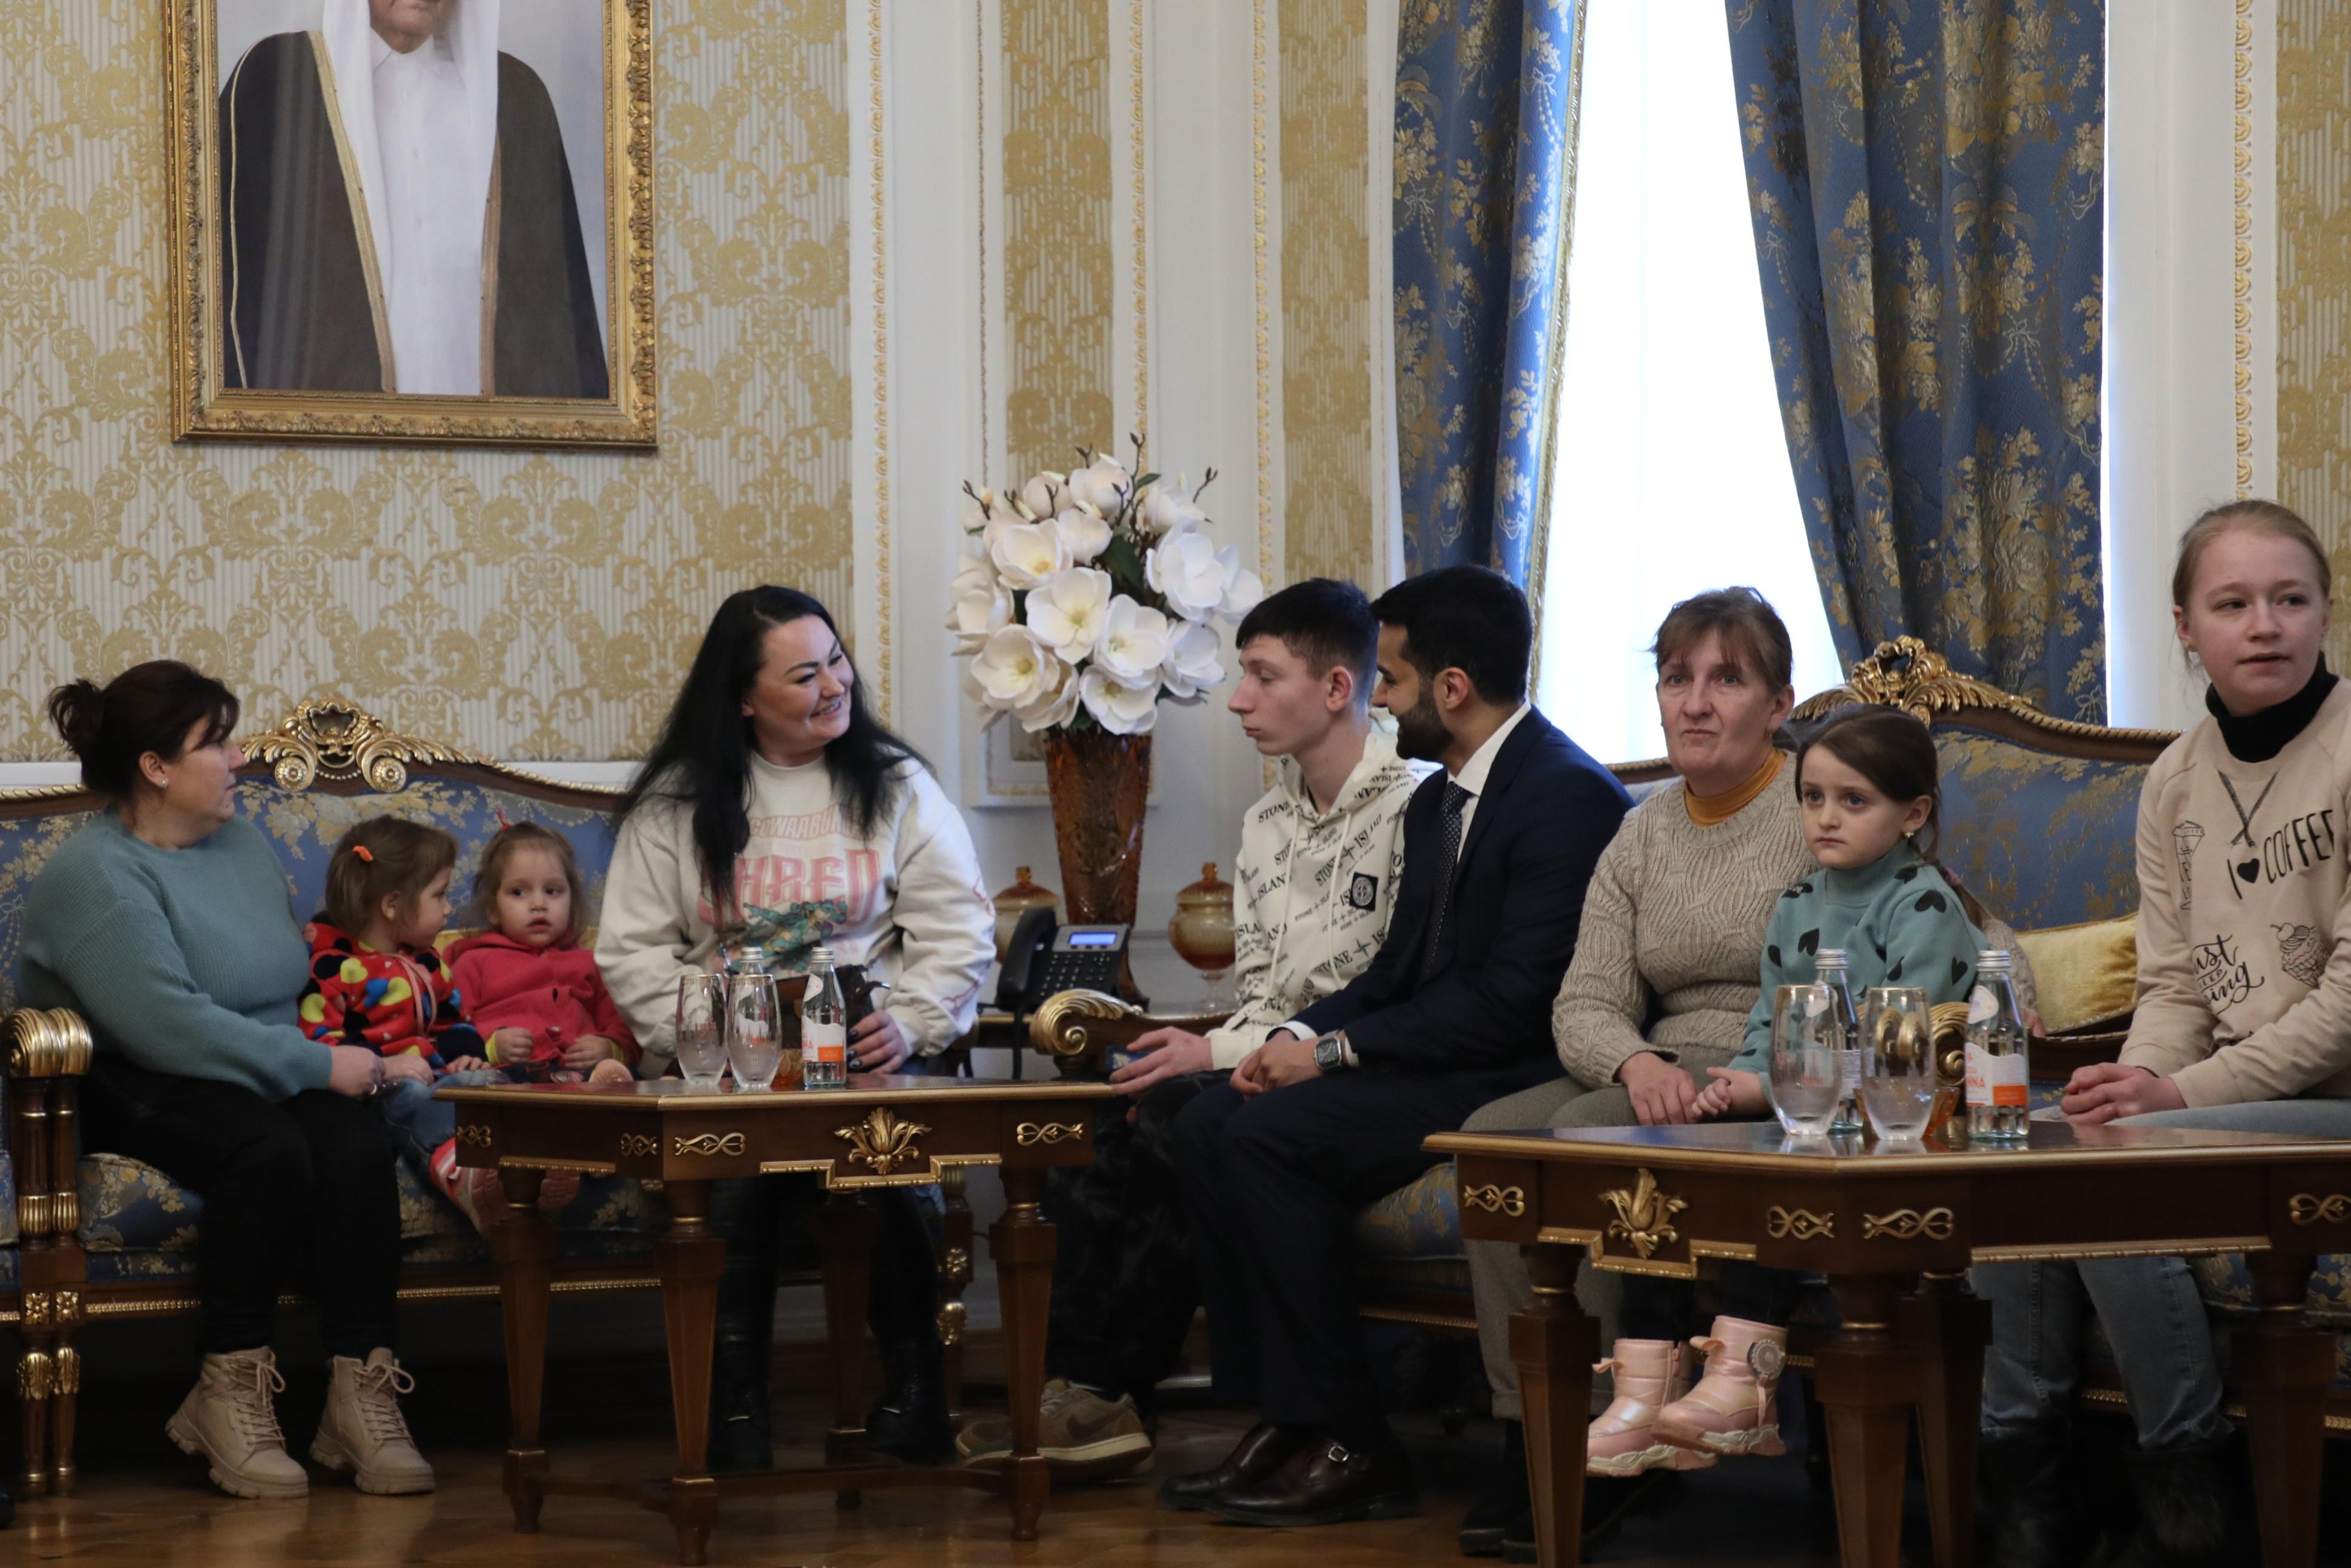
(2252, 516)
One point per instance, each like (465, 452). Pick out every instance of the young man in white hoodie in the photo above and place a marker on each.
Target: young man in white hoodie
(1318, 861)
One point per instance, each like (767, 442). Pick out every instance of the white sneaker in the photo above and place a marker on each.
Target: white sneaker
(228, 1417)
(361, 1430)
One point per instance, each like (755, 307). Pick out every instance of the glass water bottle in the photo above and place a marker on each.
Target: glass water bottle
(1999, 1068)
(824, 1026)
(1834, 972)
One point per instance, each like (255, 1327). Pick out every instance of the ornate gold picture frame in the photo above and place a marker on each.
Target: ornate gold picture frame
(325, 158)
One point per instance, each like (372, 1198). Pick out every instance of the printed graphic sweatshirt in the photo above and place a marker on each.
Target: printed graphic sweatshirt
(1313, 891)
(904, 901)
(398, 1004)
(2244, 933)
(1898, 922)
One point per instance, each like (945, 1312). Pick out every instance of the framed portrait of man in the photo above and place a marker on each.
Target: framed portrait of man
(413, 220)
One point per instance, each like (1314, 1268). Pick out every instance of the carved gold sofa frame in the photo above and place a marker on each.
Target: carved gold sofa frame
(320, 750)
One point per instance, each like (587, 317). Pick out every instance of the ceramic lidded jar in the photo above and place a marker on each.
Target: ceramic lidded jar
(1202, 931)
(1016, 901)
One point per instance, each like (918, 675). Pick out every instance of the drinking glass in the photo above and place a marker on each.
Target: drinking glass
(702, 1029)
(1897, 1082)
(1807, 1076)
(754, 1035)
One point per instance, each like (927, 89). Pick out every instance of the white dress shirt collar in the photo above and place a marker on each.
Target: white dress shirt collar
(1473, 773)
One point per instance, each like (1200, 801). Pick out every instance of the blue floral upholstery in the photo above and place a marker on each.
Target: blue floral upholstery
(1413, 1235)
(2042, 840)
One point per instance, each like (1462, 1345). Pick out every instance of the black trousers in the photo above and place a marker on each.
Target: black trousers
(1124, 1287)
(1272, 1184)
(1667, 1309)
(301, 1190)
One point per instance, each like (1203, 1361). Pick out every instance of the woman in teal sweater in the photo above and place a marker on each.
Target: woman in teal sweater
(165, 922)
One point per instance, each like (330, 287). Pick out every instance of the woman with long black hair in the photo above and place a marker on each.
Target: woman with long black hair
(775, 813)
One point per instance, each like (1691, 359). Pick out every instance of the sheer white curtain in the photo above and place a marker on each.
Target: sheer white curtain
(1671, 474)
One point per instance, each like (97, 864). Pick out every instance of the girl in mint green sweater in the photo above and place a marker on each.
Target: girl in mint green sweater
(1869, 787)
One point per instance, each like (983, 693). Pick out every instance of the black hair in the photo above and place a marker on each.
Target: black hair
(1466, 618)
(702, 756)
(147, 707)
(1325, 622)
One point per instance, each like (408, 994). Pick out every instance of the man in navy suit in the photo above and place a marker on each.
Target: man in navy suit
(1329, 1114)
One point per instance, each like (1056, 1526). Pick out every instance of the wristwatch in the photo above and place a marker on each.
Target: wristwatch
(1331, 1052)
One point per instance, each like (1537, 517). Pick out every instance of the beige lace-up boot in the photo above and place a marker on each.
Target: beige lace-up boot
(1622, 1439)
(229, 1418)
(361, 1430)
(1735, 1408)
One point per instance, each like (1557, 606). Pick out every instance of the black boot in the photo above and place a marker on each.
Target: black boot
(2029, 1503)
(2195, 1508)
(909, 1421)
(1504, 1501)
(744, 1214)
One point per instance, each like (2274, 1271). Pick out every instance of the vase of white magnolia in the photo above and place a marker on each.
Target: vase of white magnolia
(1085, 599)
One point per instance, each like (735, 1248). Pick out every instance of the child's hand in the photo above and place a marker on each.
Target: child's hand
(512, 1045)
(467, 1064)
(1732, 1094)
(588, 1050)
(408, 1065)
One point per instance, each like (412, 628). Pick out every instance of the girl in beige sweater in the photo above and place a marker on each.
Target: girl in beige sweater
(2243, 1023)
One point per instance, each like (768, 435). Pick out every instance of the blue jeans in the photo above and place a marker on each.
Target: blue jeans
(2150, 1308)
(419, 1123)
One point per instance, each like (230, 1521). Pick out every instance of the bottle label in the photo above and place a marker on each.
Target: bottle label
(1982, 1006)
(1996, 1079)
(825, 1044)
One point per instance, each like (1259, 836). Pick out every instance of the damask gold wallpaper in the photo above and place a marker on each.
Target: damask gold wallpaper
(517, 604)
(1326, 305)
(1059, 292)
(2314, 277)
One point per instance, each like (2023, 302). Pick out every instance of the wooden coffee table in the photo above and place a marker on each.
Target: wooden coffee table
(1894, 1227)
(879, 1132)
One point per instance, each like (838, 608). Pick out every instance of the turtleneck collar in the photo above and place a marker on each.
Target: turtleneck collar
(1859, 884)
(1706, 811)
(2258, 736)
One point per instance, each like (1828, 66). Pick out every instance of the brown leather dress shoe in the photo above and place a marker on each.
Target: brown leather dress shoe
(1263, 1451)
(1329, 1484)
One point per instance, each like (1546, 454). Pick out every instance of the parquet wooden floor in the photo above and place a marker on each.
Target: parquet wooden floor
(141, 1506)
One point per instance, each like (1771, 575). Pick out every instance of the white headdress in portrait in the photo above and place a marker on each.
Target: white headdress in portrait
(472, 33)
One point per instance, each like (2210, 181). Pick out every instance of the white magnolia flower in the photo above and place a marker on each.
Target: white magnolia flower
(1191, 667)
(1120, 709)
(1084, 533)
(1042, 495)
(1133, 646)
(1242, 594)
(981, 609)
(1188, 571)
(1166, 509)
(1057, 709)
(1013, 670)
(1103, 485)
(1029, 553)
(1067, 612)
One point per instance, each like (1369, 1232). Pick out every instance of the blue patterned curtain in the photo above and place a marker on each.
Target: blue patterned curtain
(1485, 174)
(1927, 184)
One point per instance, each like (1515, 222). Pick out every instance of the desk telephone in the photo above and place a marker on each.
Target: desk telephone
(1045, 957)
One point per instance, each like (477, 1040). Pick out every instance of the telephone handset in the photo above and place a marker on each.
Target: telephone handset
(1044, 958)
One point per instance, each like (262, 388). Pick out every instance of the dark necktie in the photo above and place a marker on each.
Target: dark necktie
(1448, 856)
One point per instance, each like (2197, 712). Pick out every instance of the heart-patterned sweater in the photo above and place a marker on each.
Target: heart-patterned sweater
(2244, 928)
(1898, 922)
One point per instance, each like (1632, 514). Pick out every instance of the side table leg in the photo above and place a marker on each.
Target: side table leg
(1946, 1327)
(1022, 1245)
(522, 1244)
(691, 1258)
(844, 1239)
(1868, 1383)
(2283, 1366)
(1553, 1345)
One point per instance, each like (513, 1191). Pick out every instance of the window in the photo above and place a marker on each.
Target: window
(1671, 471)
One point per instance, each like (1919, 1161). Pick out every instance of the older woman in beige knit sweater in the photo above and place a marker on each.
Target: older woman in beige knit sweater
(1669, 956)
